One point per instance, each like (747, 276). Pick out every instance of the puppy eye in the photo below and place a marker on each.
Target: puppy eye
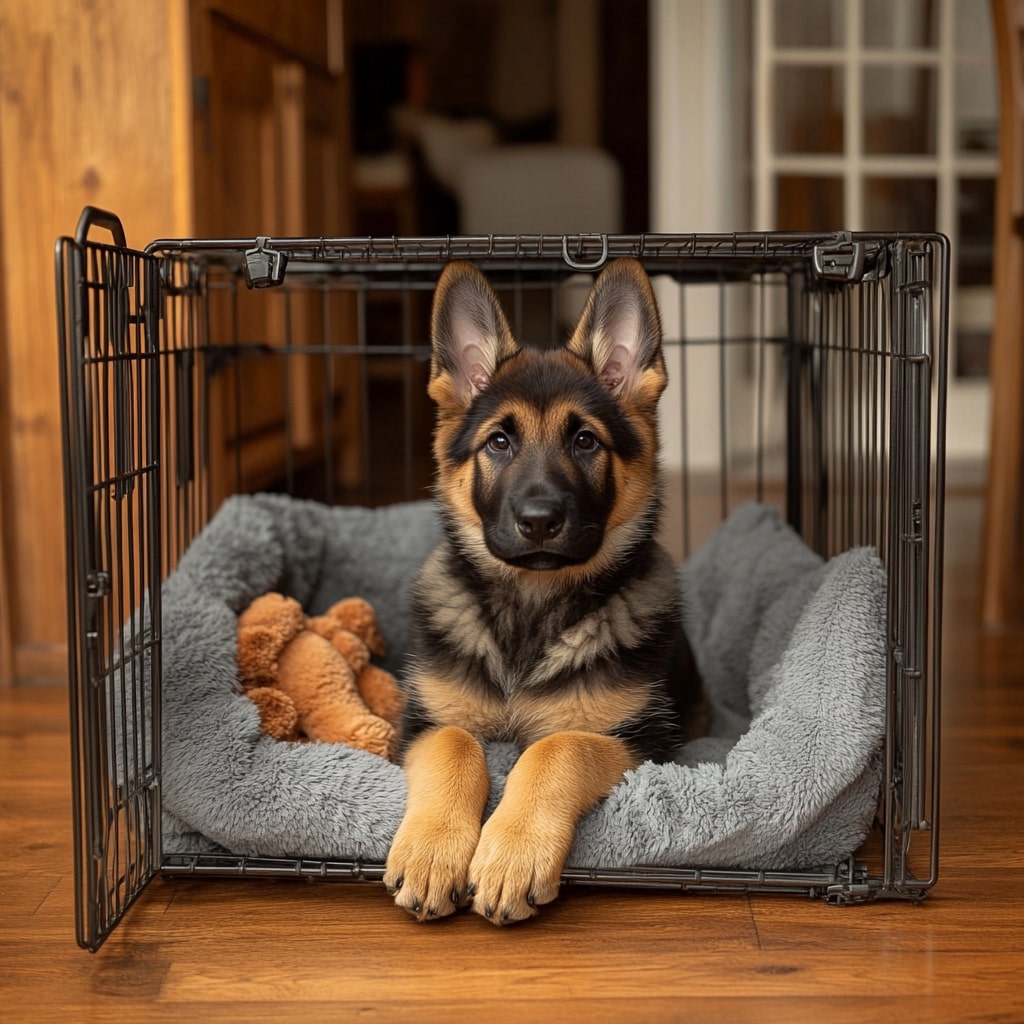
(498, 442)
(585, 441)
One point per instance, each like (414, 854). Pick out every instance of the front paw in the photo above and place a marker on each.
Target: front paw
(515, 870)
(428, 866)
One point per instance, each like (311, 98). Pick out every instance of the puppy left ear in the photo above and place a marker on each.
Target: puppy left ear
(470, 336)
(619, 334)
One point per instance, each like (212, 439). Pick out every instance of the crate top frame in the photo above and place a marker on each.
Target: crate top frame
(840, 256)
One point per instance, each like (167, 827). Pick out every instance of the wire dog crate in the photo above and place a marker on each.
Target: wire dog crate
(807, 370)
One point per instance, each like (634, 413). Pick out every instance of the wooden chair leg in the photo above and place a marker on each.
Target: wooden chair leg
(1000, 564)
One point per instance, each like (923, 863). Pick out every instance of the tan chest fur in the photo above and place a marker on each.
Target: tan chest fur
(527, 717)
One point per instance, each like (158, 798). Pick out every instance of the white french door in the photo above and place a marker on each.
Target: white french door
(882, 115)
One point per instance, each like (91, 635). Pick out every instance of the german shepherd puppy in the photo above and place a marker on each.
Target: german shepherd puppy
(548, 616)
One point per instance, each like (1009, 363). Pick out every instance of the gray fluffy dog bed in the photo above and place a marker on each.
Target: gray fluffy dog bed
(792, 650)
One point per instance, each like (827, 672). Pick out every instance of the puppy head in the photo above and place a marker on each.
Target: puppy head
(540, 453)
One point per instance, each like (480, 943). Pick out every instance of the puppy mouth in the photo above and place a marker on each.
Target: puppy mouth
(569, 546)
(549, 556)
(541, 561)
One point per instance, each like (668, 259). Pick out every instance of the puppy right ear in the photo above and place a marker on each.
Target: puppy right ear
(470, 336)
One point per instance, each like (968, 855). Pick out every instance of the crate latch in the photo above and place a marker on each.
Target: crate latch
(843, 260)
(263, 266)
(97, 584)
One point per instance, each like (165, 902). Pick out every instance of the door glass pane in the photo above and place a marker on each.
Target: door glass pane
(973, 28)
(808, 203)
(976, 204)
(900, 105)
(808, 110)
(900, 204)
(805, 23)
(976, 198)
(901, 25)
(976, 107)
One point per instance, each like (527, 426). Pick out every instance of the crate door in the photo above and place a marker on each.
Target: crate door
(106, 299)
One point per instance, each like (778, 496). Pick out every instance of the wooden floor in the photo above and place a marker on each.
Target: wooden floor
(253, 951)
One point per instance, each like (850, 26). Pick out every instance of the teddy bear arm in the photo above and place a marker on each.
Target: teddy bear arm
(278, 717)
(357, 616)
(258, 648)
(352, 649)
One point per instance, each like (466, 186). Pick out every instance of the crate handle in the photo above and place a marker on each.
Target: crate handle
(93, 215)
(579, 264)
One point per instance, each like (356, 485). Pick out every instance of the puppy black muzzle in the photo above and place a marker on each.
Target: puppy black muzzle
(543, 528)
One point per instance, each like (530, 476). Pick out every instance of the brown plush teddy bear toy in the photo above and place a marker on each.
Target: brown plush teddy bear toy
(313, 678)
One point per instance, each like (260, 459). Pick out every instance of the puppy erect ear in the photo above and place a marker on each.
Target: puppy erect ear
(469, 333)
(619, 334)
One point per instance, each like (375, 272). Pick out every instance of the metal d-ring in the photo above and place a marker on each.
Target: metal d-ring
(576, 264)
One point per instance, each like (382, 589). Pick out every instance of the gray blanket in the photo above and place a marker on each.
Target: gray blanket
(792, 651)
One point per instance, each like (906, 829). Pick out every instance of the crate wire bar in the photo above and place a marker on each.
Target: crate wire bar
(199, 368)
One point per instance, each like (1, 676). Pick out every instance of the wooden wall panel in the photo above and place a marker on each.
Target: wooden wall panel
(95, 107)
(98, 105)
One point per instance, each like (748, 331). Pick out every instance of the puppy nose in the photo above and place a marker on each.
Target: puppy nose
(540, 519)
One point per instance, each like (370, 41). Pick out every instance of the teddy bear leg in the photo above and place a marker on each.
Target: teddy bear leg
(375, 735)
(381, 694)
(324, 689)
